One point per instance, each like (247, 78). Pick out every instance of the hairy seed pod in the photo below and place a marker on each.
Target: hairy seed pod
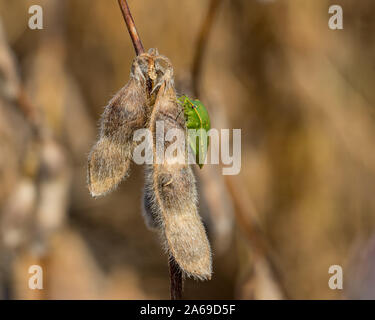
(150, 209)
(171, 196)
(128, 111)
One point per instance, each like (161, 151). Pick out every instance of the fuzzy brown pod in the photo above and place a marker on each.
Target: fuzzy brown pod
(129, 110)
(150, 212)
(170, 196)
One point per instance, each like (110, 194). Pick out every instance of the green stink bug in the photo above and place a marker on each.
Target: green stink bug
(197, 118)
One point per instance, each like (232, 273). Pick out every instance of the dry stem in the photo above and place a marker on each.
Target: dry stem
(138, 47)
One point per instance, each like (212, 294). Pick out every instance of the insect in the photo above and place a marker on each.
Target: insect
(197, 118)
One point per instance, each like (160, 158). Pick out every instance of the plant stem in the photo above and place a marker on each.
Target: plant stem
(175, 280)
(137, 43)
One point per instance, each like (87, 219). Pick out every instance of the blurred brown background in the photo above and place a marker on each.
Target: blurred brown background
(301, 93)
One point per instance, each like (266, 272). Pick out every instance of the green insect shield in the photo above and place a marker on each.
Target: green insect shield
(197, 118)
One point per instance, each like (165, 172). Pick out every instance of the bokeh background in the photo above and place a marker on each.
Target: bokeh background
(301, 93)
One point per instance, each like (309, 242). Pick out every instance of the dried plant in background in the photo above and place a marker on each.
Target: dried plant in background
(37, 205)
(265, 272)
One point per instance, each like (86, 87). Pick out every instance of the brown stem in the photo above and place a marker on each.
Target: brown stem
(137, 43)
(175, 279)
(202, 44)
(245, 216)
